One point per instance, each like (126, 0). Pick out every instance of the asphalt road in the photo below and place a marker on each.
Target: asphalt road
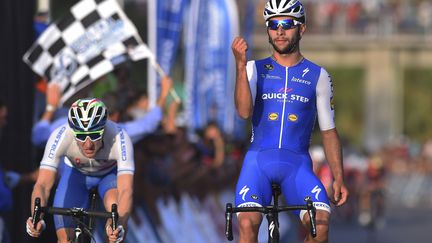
(402, 225)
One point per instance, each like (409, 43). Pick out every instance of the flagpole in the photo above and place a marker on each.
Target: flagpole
(162, 73)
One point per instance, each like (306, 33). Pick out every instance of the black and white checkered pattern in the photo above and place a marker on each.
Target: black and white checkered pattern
(86, 43)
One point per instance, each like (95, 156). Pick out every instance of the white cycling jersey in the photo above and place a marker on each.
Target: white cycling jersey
(117, 150)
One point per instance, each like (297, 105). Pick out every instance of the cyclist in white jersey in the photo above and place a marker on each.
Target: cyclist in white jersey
(97, 153)
(284, 94)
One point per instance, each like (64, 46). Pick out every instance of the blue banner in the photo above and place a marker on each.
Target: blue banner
(165, 24)
(210, 68)
(169, 27)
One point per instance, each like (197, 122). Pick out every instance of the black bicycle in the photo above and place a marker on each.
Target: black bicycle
(84, 219)
(271, 212)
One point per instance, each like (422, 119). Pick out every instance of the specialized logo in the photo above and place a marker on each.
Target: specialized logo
(292, 117)
(306, 70)
(316, 191)
(273, 116)
(268, 67)
(271, 228)
(243, 192)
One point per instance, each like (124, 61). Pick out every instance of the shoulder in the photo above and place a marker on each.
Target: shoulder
(311, 64)
(317, 71)
(258, 62)
(114, 130)
(313, 67)
(62, 130)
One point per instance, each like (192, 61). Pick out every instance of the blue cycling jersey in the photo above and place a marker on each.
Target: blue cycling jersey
(286, 103)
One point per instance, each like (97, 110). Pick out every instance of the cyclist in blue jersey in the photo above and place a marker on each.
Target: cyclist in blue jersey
(284, 95)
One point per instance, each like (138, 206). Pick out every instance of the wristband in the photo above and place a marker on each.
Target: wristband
(50, 108)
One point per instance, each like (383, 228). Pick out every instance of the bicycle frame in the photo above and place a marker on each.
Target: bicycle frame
(78, 214)
(271, 213)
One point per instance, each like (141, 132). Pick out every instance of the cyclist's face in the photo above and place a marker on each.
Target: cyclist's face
(285, 41)
(89, 148)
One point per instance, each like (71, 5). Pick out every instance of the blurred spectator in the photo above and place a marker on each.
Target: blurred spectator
(136, 128)
(8, 181)
(5, 192)
(321, 167)
(372, 204)
(211, 146)
(424, 16)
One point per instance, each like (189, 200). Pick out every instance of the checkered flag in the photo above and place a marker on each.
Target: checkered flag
(86, 43)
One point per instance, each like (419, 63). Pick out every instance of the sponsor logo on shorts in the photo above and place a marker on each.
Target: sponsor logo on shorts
(243, 192)
(249, 204)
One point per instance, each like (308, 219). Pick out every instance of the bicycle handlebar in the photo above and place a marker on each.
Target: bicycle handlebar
(74, 212)
(265, 210)
(36, 212)
(228, 224)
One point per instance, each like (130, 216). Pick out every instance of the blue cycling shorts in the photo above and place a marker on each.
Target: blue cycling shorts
(292, 171)
(73, 191)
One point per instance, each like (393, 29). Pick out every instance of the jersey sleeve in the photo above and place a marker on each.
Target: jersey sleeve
(325, 107)
(125, 154)
(54, 149)
(252, 78)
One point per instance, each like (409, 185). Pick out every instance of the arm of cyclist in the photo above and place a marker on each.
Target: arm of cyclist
(330, 137)
(242, 93)
(42, 188)
(124, 199)
(47, 173)
(333, 151)
(125, 193)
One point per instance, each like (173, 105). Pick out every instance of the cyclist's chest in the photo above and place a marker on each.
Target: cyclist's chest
(285, 87)
(101, 160)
